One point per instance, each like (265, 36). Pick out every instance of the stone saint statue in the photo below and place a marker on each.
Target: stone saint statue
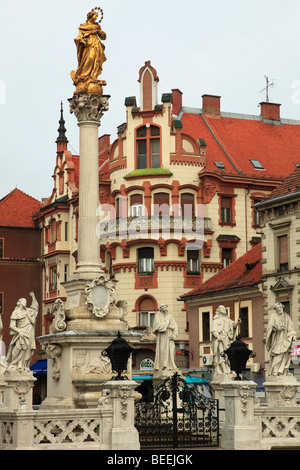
(279, 337)
(90, 55)
(166, 330)
(223, 333)
(22, 325)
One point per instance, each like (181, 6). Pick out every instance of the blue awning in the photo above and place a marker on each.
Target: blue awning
(195, 380)
(40, 367)
(142, 377)
(187, 379)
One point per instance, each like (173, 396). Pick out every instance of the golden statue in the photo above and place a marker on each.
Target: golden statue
(90, 55)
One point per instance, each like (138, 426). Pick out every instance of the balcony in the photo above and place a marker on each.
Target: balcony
(154, 226)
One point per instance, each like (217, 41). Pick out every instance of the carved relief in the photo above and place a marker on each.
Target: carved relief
(91, 364)
(88, 107)
(124, 393)
(209, 190)
(22, 388)
(245, 392)
(58, 311)
(53, 352)
(100, 295)
(105, 399)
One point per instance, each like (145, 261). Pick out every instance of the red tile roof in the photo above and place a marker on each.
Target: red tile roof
(246, 271)
(290, 185)
(17, 209)
(235, 140)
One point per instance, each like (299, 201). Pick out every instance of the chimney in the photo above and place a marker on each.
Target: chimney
(270, 111)
(176, 101)
(211, 104)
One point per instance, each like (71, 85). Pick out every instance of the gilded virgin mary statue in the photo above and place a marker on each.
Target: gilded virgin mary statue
(90, 55)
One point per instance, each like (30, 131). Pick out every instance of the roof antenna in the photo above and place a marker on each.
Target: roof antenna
(268, 85)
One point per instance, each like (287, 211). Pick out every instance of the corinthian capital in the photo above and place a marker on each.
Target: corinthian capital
(88, 106)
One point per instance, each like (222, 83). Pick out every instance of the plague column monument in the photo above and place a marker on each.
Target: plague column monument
(89, 320)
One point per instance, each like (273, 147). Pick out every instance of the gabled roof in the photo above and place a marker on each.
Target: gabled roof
(289, 187)
(236, 139)
(17, 209)
(244, 272)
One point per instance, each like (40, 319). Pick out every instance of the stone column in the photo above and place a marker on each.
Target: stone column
(240, 431)
(88, 109)
(120, 394)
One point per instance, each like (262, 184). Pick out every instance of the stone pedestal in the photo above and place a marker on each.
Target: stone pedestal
(2, 385)
(218, 393)
(18, 390)
(77, 370)
(281, 391)
(240, 431)
(120, 395)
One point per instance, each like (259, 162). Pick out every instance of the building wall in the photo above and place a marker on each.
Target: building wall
(281, 285)
(200, 347)
(20, 273)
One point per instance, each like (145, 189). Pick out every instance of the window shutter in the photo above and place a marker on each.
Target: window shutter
(147, 304)
(188, 201)
(161, 203)
(226, 202)
(283, 249)
(136, 199)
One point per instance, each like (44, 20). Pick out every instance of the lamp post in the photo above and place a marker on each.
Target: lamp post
(238, 355)
(118, 352)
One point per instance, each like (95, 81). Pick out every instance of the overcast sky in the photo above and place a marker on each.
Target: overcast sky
(222, 47)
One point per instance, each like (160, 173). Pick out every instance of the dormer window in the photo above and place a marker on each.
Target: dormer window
(220, 165)
(257, 165)
(148, 146)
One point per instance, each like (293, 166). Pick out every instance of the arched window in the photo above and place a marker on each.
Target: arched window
(53, 231)
(148, 147)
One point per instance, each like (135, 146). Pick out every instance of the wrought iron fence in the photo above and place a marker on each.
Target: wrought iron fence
(177, 415)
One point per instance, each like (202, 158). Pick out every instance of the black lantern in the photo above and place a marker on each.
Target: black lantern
(118, 352)
(238, 355)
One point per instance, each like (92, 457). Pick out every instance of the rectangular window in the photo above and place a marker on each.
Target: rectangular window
(256, 218)
(142, 154)
(155, 153)
(205, 326)
(146, 318)
(66, 272)
(53, 278)
(226, 204)
(193, 265)
(121, 206)
(244, 325)
(145, 260)
(1, 247)
(283, 253)
(1, 302)
(226, 256)
(66, 231)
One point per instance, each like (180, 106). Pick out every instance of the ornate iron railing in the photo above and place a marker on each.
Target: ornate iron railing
(177, 415)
